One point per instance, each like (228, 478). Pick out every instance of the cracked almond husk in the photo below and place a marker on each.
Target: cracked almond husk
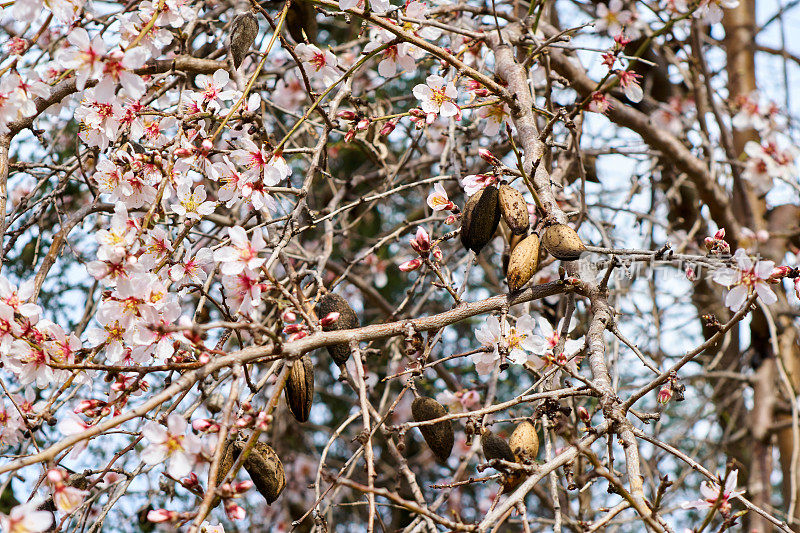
(439, 436)
(299, 389)
(563, 242)
(523, 262)
(244, 31)
(514, 209)
(347, 320)
(265, 469)
(524, 442)
(480, 218)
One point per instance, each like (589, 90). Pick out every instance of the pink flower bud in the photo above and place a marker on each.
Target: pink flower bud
(417, 112)
(205, 425)
(583, 414)
(451, 219)
(56, 475)
(207, 144)
(190, 481)
(297, 336)
(183, 152)
(161, 515)
(778, 273)
(421, 243)
(388, 128)
(233, 510)
(242, 486)
(408, 266)
(263, 420)
(665, 393)
(347, 115)
(350, 135)
(289, 316)
(690, 274)
(292, 328)
(330, 318)
(489, 157)
(720, 234)
(363, 124)
(437, 255)
(204, 358)
(709, 243)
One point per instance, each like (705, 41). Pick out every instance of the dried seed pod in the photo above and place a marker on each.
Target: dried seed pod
(439, 436)
(265, 469)
(229, 455)
(480, 218)
(328, 304)
(300, 19)
(244, 31)
(523, 262)
(524, 442)
(563, 242)
(300, 388)
(495, 447)
(514, 209)
(215, 403)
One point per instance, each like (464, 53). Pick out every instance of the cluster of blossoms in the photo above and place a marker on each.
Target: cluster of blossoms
(421, 243)
(519, 345)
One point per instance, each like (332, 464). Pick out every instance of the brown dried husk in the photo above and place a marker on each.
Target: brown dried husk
(244, 31)
(563, 242)
(495, 447)
(524, 442)
(347, 320)
(299, 389)
(300, 19)
(480, 218)
(514, 209)
(523, 263)
(265, 469)
(439, 436)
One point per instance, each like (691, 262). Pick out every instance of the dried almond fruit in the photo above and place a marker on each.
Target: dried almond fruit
(523, 262)
(265, 469)
(244, 31)
(480, 218)
(495, 447)
(331, 303)
(563, 242)
(299, 389)
(514, 209)
(524, 442)
(439, 436)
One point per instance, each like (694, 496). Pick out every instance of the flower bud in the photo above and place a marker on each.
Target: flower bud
(388, 128)
(408, 266)
(363, 124)
(289, 316)
(330, 318)
(350, 135)
(161, 515)
(583, 414)
(347, 115)
(665, 394)
(489, 157)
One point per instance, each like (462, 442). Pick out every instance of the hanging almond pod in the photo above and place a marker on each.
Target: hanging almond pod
(439, 436)
(495, 447)
(480, 218)
(563, 242)
(244, 31)
(302, 19)
(524, 442)
(265, 469)
(331, 303)
(299, 389)
(523, 262)
(514, 209)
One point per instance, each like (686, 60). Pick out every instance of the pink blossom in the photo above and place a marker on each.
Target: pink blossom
(438, 200)
(320, 65)
(242, 252)
(711, 493)
(26, 518)
(438, 96)
(170, 444)
(745, 279)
